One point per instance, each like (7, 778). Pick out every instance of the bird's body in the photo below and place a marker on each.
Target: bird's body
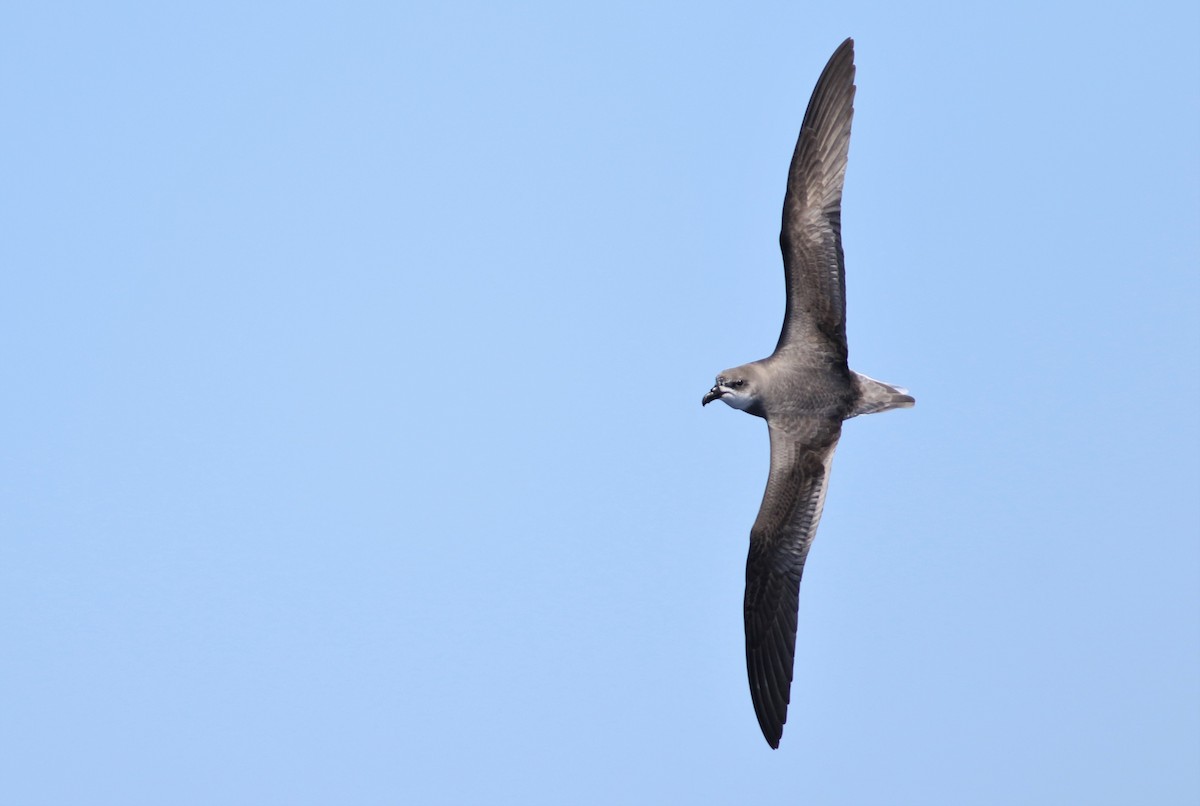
(804, 390)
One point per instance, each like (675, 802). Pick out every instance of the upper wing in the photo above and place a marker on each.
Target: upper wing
(811, 238)
(801, 452)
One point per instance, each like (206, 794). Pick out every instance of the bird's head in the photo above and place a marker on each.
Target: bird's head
(740, 387)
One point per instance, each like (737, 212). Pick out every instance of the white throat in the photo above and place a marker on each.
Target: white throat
(740, 402)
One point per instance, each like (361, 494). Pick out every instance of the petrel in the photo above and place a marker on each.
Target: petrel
(804, 390)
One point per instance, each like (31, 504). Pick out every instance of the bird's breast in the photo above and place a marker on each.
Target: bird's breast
(811, 392)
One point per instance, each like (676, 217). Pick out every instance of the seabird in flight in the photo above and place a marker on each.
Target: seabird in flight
(804, 390)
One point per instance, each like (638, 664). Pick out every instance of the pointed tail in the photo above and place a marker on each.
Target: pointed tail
(876, 396)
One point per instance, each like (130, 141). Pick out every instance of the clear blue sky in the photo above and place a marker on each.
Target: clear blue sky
(352, 448)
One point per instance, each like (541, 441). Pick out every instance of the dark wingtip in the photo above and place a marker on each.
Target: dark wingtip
(771, 731)
(770, 697)
(847, 47)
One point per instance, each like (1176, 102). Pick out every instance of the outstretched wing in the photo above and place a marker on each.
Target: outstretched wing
(801, 453)
(811, 238)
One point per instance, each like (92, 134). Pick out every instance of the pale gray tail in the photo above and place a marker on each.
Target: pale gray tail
(879, 396)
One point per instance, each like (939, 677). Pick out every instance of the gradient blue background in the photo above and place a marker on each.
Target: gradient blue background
(351, 428)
